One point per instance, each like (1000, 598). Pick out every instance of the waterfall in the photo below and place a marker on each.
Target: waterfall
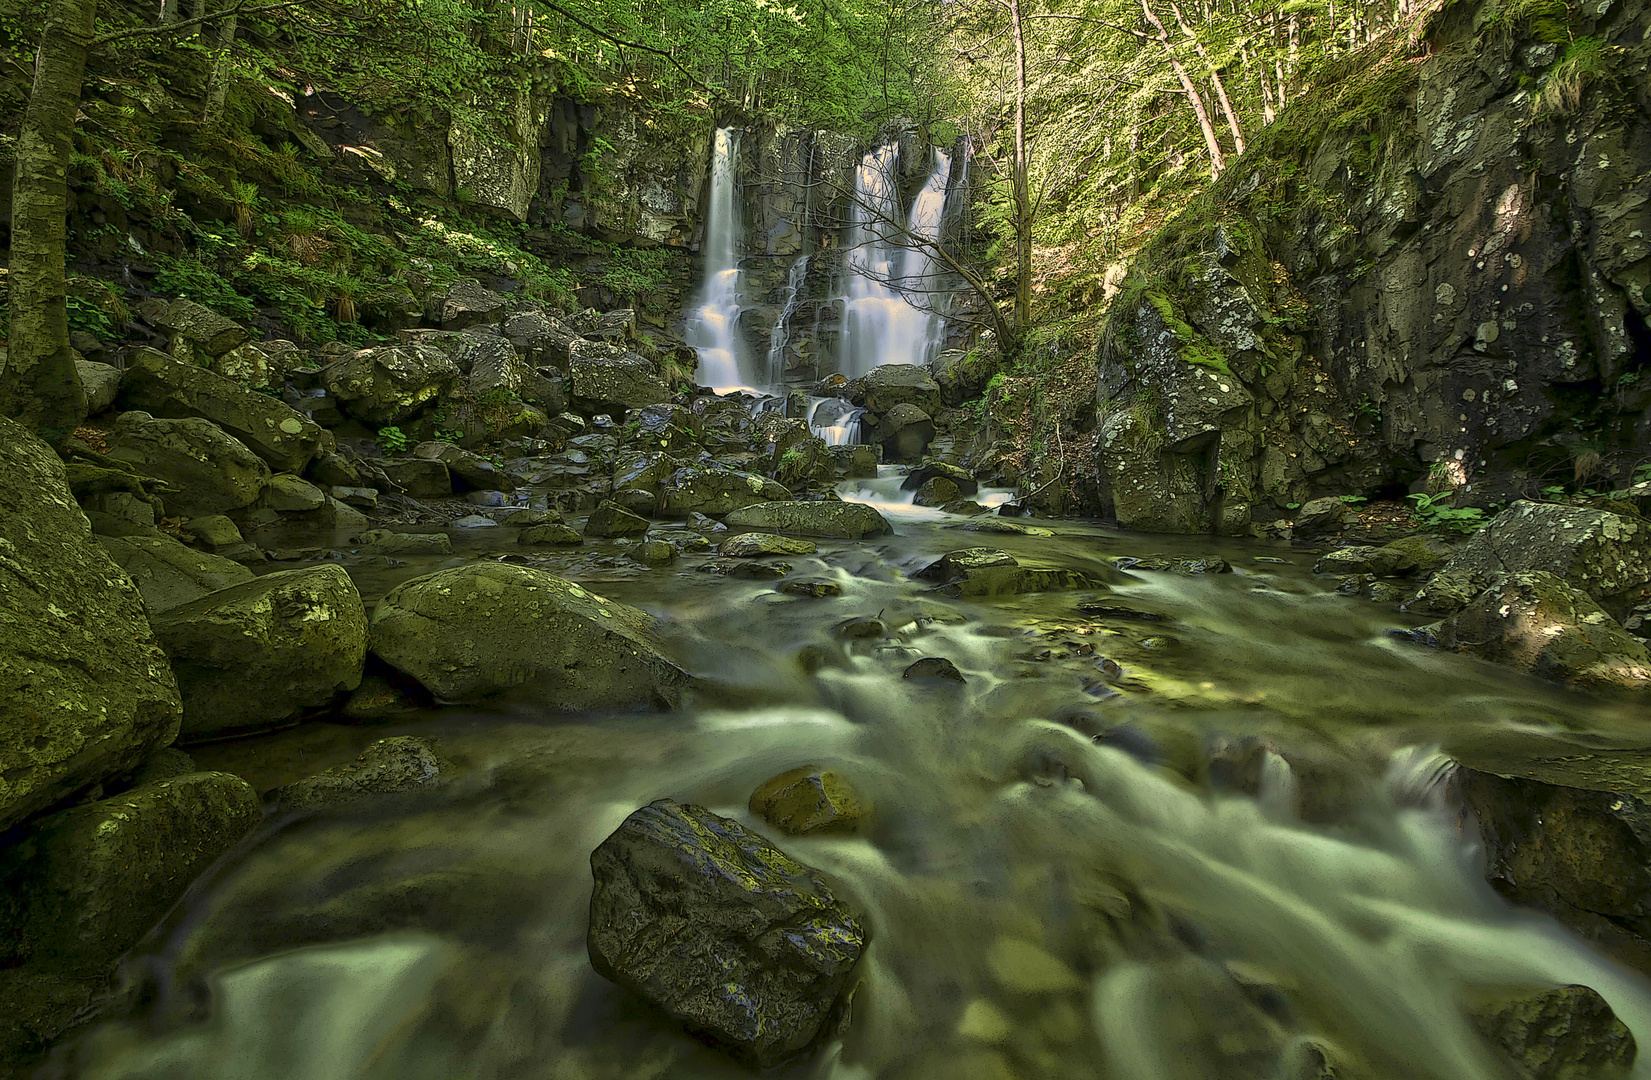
(713, 329)
(780, 336)
(835, 420)
(891, 310)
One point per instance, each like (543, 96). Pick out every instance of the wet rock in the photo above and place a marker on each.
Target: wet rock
(671, 428)
(904, 432)
(166, 388)
(936, 491)
(468, 471)
(467, 303)
(422, 478)
(933, 667)
(734, 939)
(812, 588)
(215, 532)
(542, 340)
(752, 545)
(85, 691)
(611, 519)
(606, 377)
(654, 553)
(364, 497)
(1418, 554)
(260, 654)
(1559, 1033)
(1383, 592)
(995, 524)
(965, 508)
(745, 571)
(856, 462)
(388, 766)
(639, 501)
(848, 521)
(167, 573)
(86, 883)
(486, 498)
(477, 630)
(1359, 560)
(204, 329)
(940, 470)
(1124, 612)
(1324, 516)
(290, 494)
(974, 572)
(389, 542)
(1606, 555)
(1186, 567)
(861, 628)
(475, 521)
(101, 383)
(1537, 622)
(716, 492)
(806, 464)
(212, 472)
(891, 385)
(555, 535)
(810, 799)
(388, 384)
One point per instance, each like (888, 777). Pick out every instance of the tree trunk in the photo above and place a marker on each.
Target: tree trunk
(169, 12)
(1020, 184)
(1217, 160)
(217, 85)
(1215, 80)
(39, 385)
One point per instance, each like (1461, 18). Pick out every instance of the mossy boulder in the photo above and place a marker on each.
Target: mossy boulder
(209, 471)
(900, 384)
(85, 691)
(843, 520)
(386, 767)
(1555, 1033)
(715, 492)
(810, 799)
(386, 385)
(168, 573)
(260, 654)
(479, 630)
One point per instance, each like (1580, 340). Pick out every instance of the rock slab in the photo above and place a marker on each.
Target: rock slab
(733, 938)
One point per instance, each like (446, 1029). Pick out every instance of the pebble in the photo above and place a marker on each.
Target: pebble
(1021, 967)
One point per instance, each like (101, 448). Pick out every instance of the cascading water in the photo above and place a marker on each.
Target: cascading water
(892, 306)
(780, 336)
(835, 421)
(713, 329)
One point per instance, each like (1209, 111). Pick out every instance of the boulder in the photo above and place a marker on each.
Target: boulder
(1555, 1033)
(810, 799)
(168, 573)
(213, 472)
(751, 545)
(605, 378)
(467, 303)
(611, 519)
(905, 432)
(544, 342)
(203, 328)
(1537, 622)
(808, 463)
(260, 654)
(936, 491)
(648, 472)
(388, 766)
(468, 471)
(290, 494)
(844, 520)
(85, 691)
(963, 376)
(1607, 556)
(388, 384)
(248, 365)
(715, 492)
(550, 535)
(389, 542)
(422, 478)
(1362, 559)
(976, 571)
(940, 470)
(900, 384)
(933, 667)
(491, 364)
(731, 937)
(858, 461)
(214, 532)
(101, 383)
(1323, 516)
(667, 427)
(475, 631)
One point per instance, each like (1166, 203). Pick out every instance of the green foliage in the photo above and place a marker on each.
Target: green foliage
(1561, 88)
(1439, 518)
(392, 439)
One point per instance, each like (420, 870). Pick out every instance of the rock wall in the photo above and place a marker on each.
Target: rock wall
(1455, 298)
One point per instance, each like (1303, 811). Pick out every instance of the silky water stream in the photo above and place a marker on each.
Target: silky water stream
(1070, 796)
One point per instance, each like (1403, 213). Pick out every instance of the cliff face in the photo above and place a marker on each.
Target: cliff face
(1436, 273)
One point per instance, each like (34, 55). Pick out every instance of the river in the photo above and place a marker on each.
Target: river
(1230, 828)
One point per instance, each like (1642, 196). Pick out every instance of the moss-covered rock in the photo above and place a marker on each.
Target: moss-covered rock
(209, 471)
(479, 630)
(168, 573)
(390, 384)
(844, 520)
(810, 799)
(85, 691)
(715, 492)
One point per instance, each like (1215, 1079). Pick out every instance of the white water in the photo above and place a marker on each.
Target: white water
(885, 494)
(892, 307)
(780, 336)
(713, 328)
(835, 421)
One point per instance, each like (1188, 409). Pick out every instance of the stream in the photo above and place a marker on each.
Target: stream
(1230, 827)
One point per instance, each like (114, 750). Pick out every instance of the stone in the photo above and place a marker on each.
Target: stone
(261, 654)
(385, 767)
(168, 573)
(478, 630)
(936, 491)
(290, 494)
(889, 385)
(623, 381)
(276, 432)
(984, 1022)
(904, 432)
(974, 572)
(340, 516)
(1418, 554)
(85, 690)
(752, 545)
(857, 462)
(1607, 556)
(732, 938)
(1169, 564)
(940, 470)
(715, 492)
(671, 428)
(827, 518)
(421, 478)
(364, 497)
(639, 501)
(747, 571)
(1555, 1033)
(1360, 560)
(964, 376)
(1022, 967)
(540, 339)
(654, 553)
(551, 535)
(212, 472)
(933, 667)
(84, 884)
(1323, 516)
(1539, 623)
(202, 327)
(812, 588)
(388, 384)
(810, 799)
(493, 367)
(214, 532)
(389, 542)
(101, 383)
(467, 303)
(861, 628)
(247, 365)
(611, 519)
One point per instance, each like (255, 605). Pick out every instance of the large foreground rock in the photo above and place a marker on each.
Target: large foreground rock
(1557, 1033)
(387, 385)
(1606, 555)
(477, 630)
(167, 573)
(733, 938)
(85, 692)
(900, 384)
(845, 520)
(258, 655)
(212, 471)
(604, 377)
(268, 426)
(1538, 623)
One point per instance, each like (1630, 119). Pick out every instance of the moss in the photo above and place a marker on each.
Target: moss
(1191, 347)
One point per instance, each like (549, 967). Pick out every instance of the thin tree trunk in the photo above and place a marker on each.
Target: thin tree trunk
(1021, 185)
(39, 385)
(168, 13)
(1215, 79)
(217, 86)
(1194, 98)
